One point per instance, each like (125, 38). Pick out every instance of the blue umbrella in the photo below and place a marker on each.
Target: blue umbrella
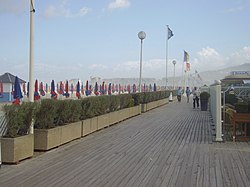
(154, 87)
(53, 93)
(17, 89)
(96, 89)
(110, 89)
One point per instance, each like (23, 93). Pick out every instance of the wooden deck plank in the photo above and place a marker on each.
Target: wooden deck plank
(169, 146)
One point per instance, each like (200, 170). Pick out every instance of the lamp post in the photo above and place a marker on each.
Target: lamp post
(141, 35)
(174, 62)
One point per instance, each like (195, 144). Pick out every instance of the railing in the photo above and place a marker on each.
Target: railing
(242, 91)
(3, 130)
(215, 107)
(3, 125)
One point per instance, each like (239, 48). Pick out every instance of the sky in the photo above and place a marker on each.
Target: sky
(99, 38)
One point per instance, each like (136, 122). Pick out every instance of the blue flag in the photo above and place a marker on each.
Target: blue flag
(186, 56)
(170, 33)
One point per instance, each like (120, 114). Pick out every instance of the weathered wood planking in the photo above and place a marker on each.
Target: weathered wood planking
(169, 146)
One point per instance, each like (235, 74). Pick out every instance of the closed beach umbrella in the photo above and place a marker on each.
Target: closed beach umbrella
(36, 94)
(17, 92)
(103, 88)
(134, 88)
(129, 89)
(82, 89)
(78, 94)
(61, 89)
(1, 88)
(110, 89)
(66, 94)
(41, 90)
(96, 89)
(87, 91)
(155, 87)
(53, 93)
(17, 89)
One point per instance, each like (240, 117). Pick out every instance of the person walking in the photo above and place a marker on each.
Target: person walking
(179, 93)
(188, 92)
(196, 95)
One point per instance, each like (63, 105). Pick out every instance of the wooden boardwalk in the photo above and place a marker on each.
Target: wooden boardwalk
(169, 146)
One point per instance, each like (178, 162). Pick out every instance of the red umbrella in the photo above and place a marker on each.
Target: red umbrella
(129, 89)
(87, 91)
(41, 89)
(66, 94)
(36, 94)
(78, 94)
(61, 90)
(1, 88)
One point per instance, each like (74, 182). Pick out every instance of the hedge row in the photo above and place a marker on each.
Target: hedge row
(50, 113)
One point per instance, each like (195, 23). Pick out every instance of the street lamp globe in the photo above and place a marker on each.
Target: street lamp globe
(141, 35)
(174, 62)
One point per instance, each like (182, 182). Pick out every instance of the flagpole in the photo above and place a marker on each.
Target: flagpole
(167, 57)
(31, 67)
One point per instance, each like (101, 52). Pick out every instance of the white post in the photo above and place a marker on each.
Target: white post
(174, 62)
(167, 58)
(218, 113)
(31, 67)
(140, 80)
(141, 36)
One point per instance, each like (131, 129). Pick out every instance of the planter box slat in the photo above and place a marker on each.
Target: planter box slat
(17, 149)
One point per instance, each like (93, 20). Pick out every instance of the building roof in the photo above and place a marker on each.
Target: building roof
(9, 78)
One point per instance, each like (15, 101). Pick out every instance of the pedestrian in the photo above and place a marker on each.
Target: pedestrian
(196, 95)
(188, 92)
(179, 93)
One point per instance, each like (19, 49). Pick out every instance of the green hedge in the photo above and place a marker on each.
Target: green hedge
(19, 119)
(49, 113)
(146, 97)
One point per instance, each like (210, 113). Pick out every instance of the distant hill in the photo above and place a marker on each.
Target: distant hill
(199, 79)
(208, 77)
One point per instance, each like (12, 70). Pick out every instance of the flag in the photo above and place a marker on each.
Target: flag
(186, 56)
(170, 33)
(187, 66)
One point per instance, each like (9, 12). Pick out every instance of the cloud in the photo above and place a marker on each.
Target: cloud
(63, 10)
(243, 5)
(119, 4)
(209, 59)
(150, 68)
(14, 6)
(97, 66)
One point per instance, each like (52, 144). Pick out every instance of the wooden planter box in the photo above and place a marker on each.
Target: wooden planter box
(71, 132)
(86, 127)
(103, 121)
(94, 124)
(149, 106)
(114, 117)
(16, 149)
(134, 111)
(46, 139)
